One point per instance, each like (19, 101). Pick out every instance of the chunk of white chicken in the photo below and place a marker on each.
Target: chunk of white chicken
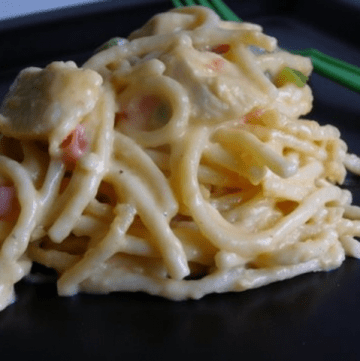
(47, 104)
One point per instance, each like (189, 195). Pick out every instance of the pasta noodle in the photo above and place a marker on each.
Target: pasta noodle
(176, 162)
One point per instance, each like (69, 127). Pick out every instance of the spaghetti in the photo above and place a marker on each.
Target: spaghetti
(173, 162)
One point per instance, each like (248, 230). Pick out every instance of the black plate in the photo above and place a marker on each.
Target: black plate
(313, 316)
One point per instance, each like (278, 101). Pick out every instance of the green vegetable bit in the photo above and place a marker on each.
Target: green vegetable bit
(289, 75)
(112, 42)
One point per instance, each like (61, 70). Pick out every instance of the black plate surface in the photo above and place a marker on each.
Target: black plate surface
(313, 316)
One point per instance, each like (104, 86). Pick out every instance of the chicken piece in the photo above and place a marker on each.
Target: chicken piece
(47, 104)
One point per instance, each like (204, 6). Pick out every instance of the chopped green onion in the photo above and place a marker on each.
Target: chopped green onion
(112, 42)
(289, 75)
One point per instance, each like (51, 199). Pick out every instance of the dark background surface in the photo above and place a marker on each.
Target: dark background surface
(312, 317)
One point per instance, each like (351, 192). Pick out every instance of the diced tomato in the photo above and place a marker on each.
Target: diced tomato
(216, 65)
(74, 146)
(255, 114)
(140, 112)
(221, 48)
(251, 116)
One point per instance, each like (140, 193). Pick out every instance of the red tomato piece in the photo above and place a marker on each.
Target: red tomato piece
(74, 146)
(140, 112)
(221, 48)
(216, 65)
(253, 115)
